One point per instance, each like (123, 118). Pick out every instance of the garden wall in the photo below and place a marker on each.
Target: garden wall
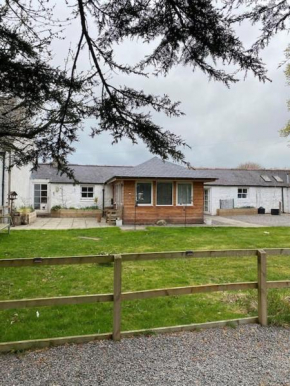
(70, 213)
(237, 212)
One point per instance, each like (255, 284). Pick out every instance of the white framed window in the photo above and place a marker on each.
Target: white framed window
(242, 192)
(40, 195)
(184, 193)
(164, 196)
(87, 192)
(144, 193)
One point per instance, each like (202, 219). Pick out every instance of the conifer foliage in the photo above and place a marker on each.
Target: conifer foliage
(44, 106)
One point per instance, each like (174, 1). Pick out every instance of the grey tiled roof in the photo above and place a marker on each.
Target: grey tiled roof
(154, 168)
(90, 174)
(239, 177)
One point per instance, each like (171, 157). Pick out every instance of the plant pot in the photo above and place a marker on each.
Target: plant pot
(275, 212)
(17, 220)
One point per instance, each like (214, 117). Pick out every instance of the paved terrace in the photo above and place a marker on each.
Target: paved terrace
(216, 221)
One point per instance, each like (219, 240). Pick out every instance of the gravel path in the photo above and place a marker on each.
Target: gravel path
(248, 355)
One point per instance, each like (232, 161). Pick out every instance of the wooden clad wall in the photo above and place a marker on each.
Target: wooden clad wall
(172, 214)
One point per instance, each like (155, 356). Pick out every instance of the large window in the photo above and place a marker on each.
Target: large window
(242, 193)
(164, 193)
(144, 193)
(87, 192)
(184, 194)
(40, 195)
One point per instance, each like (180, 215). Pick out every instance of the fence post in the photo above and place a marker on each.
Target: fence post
(117, 297)
(262, 287)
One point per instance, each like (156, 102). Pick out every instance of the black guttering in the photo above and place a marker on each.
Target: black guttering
(197, 179)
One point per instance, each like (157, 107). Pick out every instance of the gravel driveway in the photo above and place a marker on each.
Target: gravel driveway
(247, 355)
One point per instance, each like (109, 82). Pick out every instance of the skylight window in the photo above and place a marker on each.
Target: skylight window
(278, 179)
(266, 178)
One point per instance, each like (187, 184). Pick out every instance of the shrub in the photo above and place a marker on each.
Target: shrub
(26, 209)
(55, 208)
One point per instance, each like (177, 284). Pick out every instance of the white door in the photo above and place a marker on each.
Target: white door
(207, 200)
(118, 195)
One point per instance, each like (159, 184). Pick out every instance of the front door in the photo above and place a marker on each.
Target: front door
(207, 200)
(119, 195)
(40, 197)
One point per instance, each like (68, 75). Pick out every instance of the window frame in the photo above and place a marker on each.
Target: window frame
(41, 196)
(242, 193)
(184, 183)
(87, 198)
(165, 182)
(278, 179)
(144, 182)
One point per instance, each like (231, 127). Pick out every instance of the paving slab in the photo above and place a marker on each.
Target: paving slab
(264, 220)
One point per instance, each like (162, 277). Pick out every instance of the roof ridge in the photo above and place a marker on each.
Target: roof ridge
(90, 165)
(238, 169)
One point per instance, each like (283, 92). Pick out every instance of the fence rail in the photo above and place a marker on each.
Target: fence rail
(117, 297)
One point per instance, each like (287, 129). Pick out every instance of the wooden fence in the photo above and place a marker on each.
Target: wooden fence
(117, 297)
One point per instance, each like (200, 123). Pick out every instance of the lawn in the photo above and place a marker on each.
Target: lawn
(32, 323)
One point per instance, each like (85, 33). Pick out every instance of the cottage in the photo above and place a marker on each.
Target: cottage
(143, 194)
(267, 188)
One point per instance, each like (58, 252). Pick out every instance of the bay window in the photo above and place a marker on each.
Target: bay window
(164, 193)
(144, 193)
(184, 194)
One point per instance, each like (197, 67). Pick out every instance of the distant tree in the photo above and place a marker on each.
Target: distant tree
(250, 166)
(55, 100)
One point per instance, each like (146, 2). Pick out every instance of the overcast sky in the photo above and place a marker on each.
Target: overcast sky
(224, 127)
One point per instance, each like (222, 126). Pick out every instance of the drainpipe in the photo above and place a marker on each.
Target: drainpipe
(282, 190)
(3, 180)
(103, 199)
(9, 182)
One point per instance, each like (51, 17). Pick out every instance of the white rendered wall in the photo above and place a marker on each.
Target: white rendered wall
(69, 195)
(20, 183)
(268, 198)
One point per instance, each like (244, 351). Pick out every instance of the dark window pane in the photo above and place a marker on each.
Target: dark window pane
(44, 193)
(143, 193)
(91, 189)
(90, 194)
(37, 193)
(36, 206)
(43, 200)
(43, 187)
(36, 187)
(164, 193)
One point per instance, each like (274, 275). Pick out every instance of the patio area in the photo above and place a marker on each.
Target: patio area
(62, 223)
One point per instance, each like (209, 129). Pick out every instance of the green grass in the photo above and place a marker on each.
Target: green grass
(17, 283)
